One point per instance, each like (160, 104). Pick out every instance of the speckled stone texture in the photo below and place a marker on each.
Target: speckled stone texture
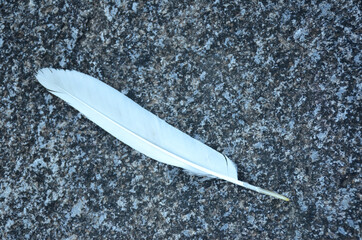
(275, 86)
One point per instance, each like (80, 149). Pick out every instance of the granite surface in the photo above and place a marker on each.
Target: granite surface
(276, 86)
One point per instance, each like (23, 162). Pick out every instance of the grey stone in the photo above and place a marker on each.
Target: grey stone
(274, 85)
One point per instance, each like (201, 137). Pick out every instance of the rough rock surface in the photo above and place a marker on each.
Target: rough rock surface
(275, 86)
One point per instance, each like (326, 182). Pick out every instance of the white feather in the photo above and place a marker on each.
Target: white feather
(139, 128)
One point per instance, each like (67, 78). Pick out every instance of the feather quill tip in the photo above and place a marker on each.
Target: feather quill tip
(261, 190)
(274, 194)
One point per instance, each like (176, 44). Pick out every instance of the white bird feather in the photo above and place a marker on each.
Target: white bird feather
(139, 128)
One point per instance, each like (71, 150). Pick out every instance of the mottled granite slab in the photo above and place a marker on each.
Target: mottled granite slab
(275, 86)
